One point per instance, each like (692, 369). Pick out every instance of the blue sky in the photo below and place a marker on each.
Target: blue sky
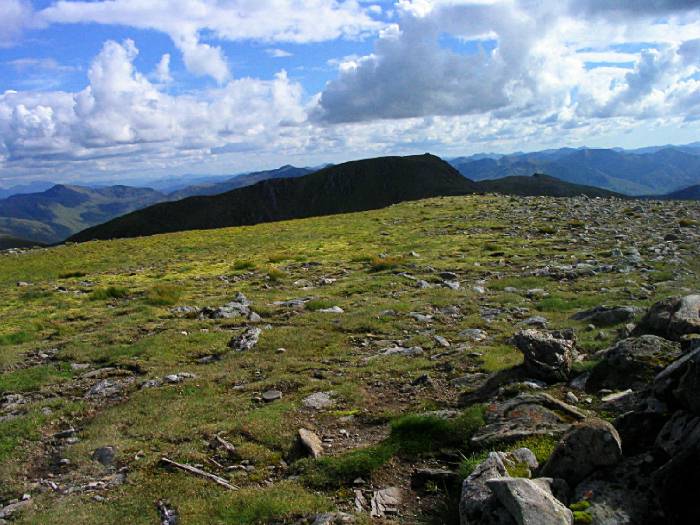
(127, 89)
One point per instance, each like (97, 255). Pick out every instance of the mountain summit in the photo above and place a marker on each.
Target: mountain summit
(349, 187)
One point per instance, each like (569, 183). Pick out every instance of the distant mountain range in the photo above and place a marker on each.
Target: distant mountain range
(45, 213)
(349, 187)
(649, 171)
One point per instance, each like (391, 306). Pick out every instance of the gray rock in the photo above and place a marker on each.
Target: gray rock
(385, 501)
(530, 502)
(310, 443)
(333, 518)
(672, 318)
(680, 433)
(536, 321)
(474, 334)
(632, 363)
(477, 504)
(246, 341)
(589, 445)
(546, 357)
(109, 388)
(271, 395)
(332, 310)
(400, 350)
(11, 509)
(104, 455)
(606, 315)
(318, 400)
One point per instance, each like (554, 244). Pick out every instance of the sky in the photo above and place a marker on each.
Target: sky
(122, 90)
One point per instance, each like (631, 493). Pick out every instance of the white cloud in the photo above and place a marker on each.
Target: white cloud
(235, 20)
(278, 53)
(162, 71)
(15, 15)
(122, 116)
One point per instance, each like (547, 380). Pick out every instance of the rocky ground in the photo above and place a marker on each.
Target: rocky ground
(470, 360)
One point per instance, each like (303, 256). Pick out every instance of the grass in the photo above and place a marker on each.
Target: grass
(163, 295)
(29, 379)
(411, 435)
(16, 338)
(110, 292)
(380, 264)
(375, 401)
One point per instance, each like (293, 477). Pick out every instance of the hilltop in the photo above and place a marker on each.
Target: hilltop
(387, 336)
(353, 186)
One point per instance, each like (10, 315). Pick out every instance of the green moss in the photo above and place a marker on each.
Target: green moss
(15, 338)
(582, 518)
(580, 505)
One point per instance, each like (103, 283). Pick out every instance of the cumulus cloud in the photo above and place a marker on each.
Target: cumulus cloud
(123, 116)
(512, 60)
(298, 21)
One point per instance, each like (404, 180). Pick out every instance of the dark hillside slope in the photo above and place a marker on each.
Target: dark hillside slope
(541, 185)
(687, 194)
(352, 186)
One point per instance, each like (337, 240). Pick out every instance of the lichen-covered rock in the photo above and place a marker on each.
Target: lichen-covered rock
(246, 341)
(525, 416)
(548, 356)
(672, 318)
(589, 445)
(632, 363)
(477, 504)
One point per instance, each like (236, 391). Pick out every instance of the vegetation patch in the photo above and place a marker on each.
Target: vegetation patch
(16, 338)
(163, 295)
(110, 292)
(379, 264)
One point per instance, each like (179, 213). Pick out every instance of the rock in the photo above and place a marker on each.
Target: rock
(332, 310)
(449, 276)
(571, 398)
(240, 307)
(246, 341)
(530, 502)
(622, 494)
(400, 350)
(8, 511)
(168, 514)
(680, 433)
(385, 501)
(667, 381)
(672, 318)
(632, 363)
(589, 445)
(452, 285)
(523, 416)
(421, 317)
(477, 503)
(104, 455)
(676, 486)
(638, 430)
(537, 321)
(271, 395)
(687, 392)
(474, 334)
(318, 400)
(441, 478)
(547, 357)
(109, 388)
(441, 341)
(606, 315)
(422, 380)
(333, 518)
(310, 443)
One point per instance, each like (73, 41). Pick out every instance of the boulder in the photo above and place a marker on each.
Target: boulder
(632, 363)
(681, 432)
(672, 318)
(548, 356)
(333, 518)
(477, 504)
(606, 315)
(525, 416)
(246, 341)
(589, 445)
(667, 381)
(530, 502)
(104, 455)
(638, 430)
(676, 486)
(318, 400)
(310, 444)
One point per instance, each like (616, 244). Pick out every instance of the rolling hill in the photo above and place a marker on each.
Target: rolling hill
(353, 186)
(56, 213)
